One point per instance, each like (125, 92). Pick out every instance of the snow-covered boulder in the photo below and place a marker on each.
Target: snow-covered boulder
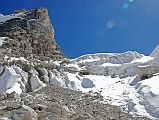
(43, 74)
(22, 73)
(10, 81)
(56, 78)
(36, 83)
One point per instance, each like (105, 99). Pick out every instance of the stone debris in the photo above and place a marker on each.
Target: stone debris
(57, 103)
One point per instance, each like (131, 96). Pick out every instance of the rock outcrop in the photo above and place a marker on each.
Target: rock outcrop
(29, 34)
(146, 72)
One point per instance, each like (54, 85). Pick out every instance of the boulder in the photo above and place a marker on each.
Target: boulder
(2, 96)
(36, 83)
(146, 72)
(43, 74)
(13, 105)
(14, 96)
(24, 113)
(87, 83)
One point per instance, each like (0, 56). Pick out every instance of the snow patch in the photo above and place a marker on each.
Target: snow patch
(2, 40)
(4, 18)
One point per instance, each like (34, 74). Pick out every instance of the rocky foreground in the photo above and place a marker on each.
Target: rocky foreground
(57, 103)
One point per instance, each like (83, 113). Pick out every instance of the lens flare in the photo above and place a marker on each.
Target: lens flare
(131, 0)
(110, 24)
(125, 6)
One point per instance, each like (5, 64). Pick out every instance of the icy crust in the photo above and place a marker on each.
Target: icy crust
(114, 58)
(109, 65)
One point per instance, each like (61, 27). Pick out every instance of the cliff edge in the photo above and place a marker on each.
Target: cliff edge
(29, 34)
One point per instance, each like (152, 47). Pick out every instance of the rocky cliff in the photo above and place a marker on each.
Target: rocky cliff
(29, 34)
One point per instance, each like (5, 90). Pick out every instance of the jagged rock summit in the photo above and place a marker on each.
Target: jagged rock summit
(29, 34)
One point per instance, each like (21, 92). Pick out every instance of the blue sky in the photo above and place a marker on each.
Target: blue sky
(95, 26)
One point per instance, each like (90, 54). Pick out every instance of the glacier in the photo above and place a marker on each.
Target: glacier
(115, 76)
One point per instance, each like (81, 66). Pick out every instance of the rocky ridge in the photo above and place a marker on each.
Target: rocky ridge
(29, 34)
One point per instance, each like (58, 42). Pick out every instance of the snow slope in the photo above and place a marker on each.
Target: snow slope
(149, 92)
(138, 97)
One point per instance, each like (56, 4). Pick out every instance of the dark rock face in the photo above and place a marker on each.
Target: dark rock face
(31, 34)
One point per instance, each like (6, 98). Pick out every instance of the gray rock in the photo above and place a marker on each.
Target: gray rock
(2, 96)
(43, 115)
(43, 75)
(14, 96)
(1, 69)
(30, 114)
(13, 105)
(146, 72)
(5, 114)
(87, 83)
(35, 83)
(24, 113)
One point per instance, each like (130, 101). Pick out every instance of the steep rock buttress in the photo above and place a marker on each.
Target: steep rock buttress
(29, 34)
